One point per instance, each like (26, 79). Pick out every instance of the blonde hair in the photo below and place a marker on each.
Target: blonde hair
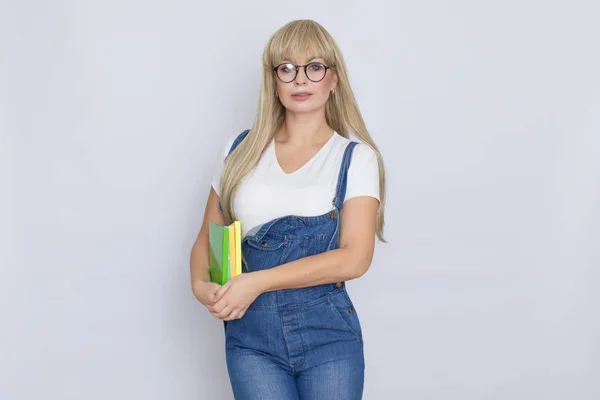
(297, 40)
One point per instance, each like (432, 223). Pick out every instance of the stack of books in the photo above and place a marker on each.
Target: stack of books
(225, 252)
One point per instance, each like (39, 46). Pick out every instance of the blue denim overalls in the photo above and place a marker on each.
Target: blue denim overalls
(296, 343)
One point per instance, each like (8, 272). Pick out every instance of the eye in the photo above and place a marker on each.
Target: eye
(287, 68)
(315, 66)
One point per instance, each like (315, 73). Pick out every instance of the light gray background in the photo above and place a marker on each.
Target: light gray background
(487, 114)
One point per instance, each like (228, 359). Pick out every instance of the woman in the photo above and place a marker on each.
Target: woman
(310, 202)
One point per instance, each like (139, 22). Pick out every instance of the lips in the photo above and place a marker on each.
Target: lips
(302, 94)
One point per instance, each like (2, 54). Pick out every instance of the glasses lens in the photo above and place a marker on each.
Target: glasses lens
(315, 71)
(286, 72)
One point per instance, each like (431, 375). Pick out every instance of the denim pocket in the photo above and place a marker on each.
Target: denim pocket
(267, 243)
(264, 253)
(343, 308)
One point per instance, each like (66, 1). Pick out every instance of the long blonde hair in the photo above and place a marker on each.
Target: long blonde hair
(296, 40)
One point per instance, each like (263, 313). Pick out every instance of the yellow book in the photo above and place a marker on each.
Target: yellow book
(238, 247)
(232, 248)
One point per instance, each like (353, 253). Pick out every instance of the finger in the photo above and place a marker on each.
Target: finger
(215, 288)
(210, 301)
(210, 295)
(234, 315)
(220, 292)
(217, 314)
(225, 312)
(237, 313)
(242, 313)
(218, 306)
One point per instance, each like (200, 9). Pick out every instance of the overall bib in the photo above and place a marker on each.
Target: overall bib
(296, 343)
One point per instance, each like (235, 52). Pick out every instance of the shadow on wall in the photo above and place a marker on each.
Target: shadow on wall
(197, 346)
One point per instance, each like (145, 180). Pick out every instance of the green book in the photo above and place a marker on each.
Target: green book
(219, 253)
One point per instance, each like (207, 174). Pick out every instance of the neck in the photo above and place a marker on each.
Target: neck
(304, 129)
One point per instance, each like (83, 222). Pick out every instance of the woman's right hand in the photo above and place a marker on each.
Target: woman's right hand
(205, 292)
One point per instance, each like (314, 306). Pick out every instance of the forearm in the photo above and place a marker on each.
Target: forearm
(200, 253)
(327, 267)
(199, 261)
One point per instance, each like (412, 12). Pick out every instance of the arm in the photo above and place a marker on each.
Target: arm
(350, 261)
(199, 257)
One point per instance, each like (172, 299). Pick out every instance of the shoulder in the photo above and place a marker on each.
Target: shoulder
(231, 140)
(363, 171)
(362, 152)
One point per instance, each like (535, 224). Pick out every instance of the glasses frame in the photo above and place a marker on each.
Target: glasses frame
(297, 67)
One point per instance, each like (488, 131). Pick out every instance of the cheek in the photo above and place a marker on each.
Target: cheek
(323, 91)
(325, 85)
(285, 90)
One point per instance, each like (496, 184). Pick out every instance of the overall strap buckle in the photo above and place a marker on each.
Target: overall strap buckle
(333, 213)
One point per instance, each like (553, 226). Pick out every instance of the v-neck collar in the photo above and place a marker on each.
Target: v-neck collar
(306, 164)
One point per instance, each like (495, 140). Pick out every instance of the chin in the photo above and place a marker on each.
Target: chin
(302, 108)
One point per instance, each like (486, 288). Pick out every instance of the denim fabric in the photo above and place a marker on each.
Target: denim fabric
(235, 144)
(297, 343)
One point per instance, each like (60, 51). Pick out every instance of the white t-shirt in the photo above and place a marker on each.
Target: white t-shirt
(268, 192)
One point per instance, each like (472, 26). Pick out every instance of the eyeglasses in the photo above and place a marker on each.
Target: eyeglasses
(315, 71)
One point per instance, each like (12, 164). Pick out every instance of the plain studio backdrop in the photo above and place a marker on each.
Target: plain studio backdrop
(113, 115)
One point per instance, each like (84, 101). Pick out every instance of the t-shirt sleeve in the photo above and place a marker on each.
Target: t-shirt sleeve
(216, 181)
(363, 173)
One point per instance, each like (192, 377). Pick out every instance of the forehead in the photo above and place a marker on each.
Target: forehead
(300, 53)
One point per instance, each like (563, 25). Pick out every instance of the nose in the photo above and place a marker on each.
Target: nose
(300, 77)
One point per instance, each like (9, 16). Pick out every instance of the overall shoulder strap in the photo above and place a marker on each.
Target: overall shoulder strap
(238, 140)
(235, 144)
(340, 192)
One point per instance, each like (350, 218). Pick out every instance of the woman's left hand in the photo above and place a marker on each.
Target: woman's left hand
(235, 296)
